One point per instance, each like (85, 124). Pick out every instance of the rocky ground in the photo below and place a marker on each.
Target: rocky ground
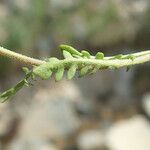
(62, 116)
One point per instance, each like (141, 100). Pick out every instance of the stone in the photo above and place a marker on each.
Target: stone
(30, 144)
(146, 103)
(130, 134)
(91, 139)
(50, 117)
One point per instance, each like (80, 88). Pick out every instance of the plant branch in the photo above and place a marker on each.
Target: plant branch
(21, 58)
(140, 57)
(73, 61)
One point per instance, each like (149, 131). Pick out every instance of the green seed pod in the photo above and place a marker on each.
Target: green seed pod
(59, 73)
(72, 70)
(43, 72)
(94, 70)
(84, 71)
(85, 54)
(70, 49)
(99, 55)
(66, 54)
(26, 70)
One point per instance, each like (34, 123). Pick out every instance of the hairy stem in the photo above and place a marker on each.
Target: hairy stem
(21, 58)
(140, 57)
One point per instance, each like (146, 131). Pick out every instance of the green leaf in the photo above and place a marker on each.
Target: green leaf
(43, 72)
(7, 94)
(70, 49)
(99, 55)
(12, 91)
(33, 76)
(72, 70)
(66, 54)
(94, 70)
(85, 54)
(59, 73)
(76, 56)
(26, 70)
(84, 71)
(26, 83)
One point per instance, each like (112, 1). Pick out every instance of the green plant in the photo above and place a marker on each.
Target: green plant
(74, 61)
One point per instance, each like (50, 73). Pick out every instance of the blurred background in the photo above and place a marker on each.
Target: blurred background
(109, 110)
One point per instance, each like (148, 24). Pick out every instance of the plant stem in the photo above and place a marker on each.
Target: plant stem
(140, 57)
(21, 58)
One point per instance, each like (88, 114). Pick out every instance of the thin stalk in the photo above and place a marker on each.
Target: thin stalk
(140, 57)
(19, 57)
